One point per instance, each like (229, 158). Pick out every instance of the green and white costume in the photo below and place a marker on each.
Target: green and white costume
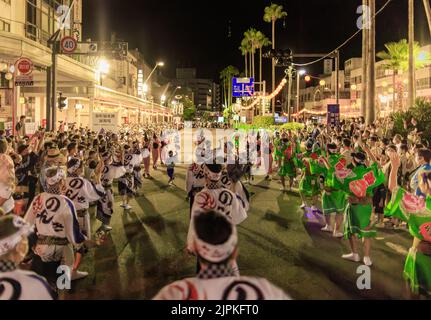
(359, 182)
(285, 153)
(309, 185)
(416, 211)
(333, 197)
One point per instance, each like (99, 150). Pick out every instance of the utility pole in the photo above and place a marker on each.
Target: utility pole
(51, 80)
(412, 78)
(371, 71)
(337, 76)
(289, 94)
(365, 31)
(51, 76)
(428, 12)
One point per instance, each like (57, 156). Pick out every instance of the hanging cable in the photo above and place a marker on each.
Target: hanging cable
(344, 43)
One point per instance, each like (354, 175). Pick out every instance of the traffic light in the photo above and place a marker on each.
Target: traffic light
(62, 102)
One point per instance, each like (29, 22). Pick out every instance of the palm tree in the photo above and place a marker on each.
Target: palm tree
(396, 59)
(271, 15)
(251, 36)
(245, 49)
(262, 41)
(226, 76)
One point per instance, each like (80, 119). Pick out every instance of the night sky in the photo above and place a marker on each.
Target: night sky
(195, 33)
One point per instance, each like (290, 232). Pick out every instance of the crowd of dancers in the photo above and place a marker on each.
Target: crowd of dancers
(354, 178)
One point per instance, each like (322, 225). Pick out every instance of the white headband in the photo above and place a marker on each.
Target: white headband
(75, 167)
(5, 191)
(10, 242)
(213, 176)
(217, 253)
(60, 175)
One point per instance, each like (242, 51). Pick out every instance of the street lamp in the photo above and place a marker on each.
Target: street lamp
(102, 69)
(163, 99)
(300, 74)
(158, 64)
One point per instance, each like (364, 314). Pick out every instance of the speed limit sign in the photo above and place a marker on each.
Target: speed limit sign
(68, 44)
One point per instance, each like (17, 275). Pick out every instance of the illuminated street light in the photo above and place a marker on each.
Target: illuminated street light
(103, 66)
(322, 82)
(302, 72)
(159, 64)
(102, 69)
(353, 87)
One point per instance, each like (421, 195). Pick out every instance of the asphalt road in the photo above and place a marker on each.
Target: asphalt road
(145, 250)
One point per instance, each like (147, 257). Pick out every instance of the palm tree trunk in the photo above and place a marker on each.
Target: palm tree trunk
(371, 74)
(246, 64)
(394, 94)
(251, 64)
(412, 81)
(428, 13)
(254, 67)
(273, 65)
(260, 68)
(364, 66)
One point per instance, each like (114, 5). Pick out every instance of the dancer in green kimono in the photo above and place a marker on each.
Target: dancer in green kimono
(358, 181)
(285, 154)
(333, 198)
(416, 211)
(309, 186)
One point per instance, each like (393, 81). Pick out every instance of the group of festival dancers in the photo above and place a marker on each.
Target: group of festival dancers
(50, 181)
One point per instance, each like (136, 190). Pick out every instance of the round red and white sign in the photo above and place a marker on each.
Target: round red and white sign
(24, 66)
(68, 44)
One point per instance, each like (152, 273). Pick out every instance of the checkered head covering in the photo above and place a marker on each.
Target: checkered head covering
(217, 253)
(12, 230)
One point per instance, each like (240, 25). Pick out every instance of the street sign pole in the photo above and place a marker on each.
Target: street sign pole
(54, 86)
(48, 97)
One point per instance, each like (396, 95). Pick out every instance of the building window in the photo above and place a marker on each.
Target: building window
(4, 26)
(6, 1)
(42, 17)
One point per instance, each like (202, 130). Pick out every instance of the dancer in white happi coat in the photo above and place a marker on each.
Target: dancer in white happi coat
(82, 192)
(137, 158)
(195, 181)
(126, 182)
(215, 242)
(215, 197)
(57, 228)
(16, 284)
(105, 206)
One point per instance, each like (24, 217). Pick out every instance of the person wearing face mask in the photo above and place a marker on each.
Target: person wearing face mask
(333, 198)
(57, 228)
(416, 211)
(18, 284)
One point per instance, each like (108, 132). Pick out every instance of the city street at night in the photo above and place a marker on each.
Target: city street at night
(183, 157)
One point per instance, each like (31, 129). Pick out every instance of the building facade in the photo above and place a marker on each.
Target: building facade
(391, 89)
(25, 27)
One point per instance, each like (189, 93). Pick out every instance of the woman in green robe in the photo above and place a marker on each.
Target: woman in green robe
(284, 154)
(416, 211)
